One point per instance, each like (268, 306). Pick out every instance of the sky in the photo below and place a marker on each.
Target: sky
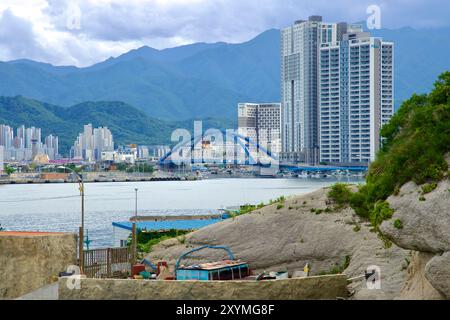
(84, 32)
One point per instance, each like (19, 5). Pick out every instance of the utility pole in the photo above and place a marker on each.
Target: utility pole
(81, 229)
(134, 235)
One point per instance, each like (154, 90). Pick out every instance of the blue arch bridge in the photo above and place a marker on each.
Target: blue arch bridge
(245, 151)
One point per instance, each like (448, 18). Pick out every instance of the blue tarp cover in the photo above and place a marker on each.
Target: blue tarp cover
(167, 225)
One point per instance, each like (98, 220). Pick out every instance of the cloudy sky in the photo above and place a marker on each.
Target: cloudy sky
(83, 32)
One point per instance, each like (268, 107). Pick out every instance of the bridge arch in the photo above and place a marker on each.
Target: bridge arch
(249, 147)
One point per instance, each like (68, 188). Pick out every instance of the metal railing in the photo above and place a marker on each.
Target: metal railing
(107, 263)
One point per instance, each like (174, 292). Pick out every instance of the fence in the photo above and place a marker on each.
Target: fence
(107, 263)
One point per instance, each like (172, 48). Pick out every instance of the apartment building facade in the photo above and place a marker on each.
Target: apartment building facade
(336, 92)
(355, 96)
(261, 123)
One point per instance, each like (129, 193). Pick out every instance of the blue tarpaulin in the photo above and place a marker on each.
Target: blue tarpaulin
(167, 225)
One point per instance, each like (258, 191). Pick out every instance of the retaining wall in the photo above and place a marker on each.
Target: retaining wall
(29, 261)
(321, 287)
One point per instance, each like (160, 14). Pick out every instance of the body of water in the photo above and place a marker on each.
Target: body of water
(56, 207)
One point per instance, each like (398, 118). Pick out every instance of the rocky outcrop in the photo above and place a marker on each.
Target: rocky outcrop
(424, 227)
(425, 218)
(299, 231)
(417, 286)
(437, 271)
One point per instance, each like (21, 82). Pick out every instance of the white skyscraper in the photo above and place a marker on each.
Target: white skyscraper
(355, 96)
(1, 159)
(336, 92)
(52, 146)
(300, 45)
(92, 143)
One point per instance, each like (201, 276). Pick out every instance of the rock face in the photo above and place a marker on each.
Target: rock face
(426, 224)
(417, 287)
(437, 271)
(277, 238)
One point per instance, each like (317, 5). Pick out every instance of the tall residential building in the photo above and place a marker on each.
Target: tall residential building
(335, 81)
(299, 87)
(91, 143)
(261, 123)
(6, 136)
(52, 146)
(355, 96)
(2, 156)
(26, 144)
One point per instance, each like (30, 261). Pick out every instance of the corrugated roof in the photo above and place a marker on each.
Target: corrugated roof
(167, 225)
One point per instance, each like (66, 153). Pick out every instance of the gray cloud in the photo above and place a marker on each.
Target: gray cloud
(237, 19)
(117, 26)
(17, 38)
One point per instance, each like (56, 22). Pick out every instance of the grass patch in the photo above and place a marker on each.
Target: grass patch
(339, 268)
(340, 194)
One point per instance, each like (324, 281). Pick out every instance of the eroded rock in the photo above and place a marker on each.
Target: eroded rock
(437, 271)
(425, 221)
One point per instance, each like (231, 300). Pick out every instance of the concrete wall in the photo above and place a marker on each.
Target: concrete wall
(29, 261)
(54, 176)
(324, 287)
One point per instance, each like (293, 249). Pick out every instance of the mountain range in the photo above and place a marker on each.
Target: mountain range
(208, 80)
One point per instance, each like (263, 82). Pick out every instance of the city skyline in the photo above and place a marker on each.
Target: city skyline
(24, 144)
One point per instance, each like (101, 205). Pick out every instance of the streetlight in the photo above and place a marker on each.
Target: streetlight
(81, 231)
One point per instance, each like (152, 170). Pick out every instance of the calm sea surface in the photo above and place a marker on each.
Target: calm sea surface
(56, 207)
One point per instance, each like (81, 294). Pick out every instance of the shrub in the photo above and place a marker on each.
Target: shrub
(415, 142)
(146, 240)
(427, 188)
(340, 194)
(398, 224)
(280, 206)
(246, 208)
(380, 212)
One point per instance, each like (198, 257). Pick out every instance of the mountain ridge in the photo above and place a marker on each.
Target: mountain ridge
(127, 123)
(207, 79)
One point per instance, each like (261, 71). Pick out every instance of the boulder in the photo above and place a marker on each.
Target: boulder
(426, 221)
(437, 271)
